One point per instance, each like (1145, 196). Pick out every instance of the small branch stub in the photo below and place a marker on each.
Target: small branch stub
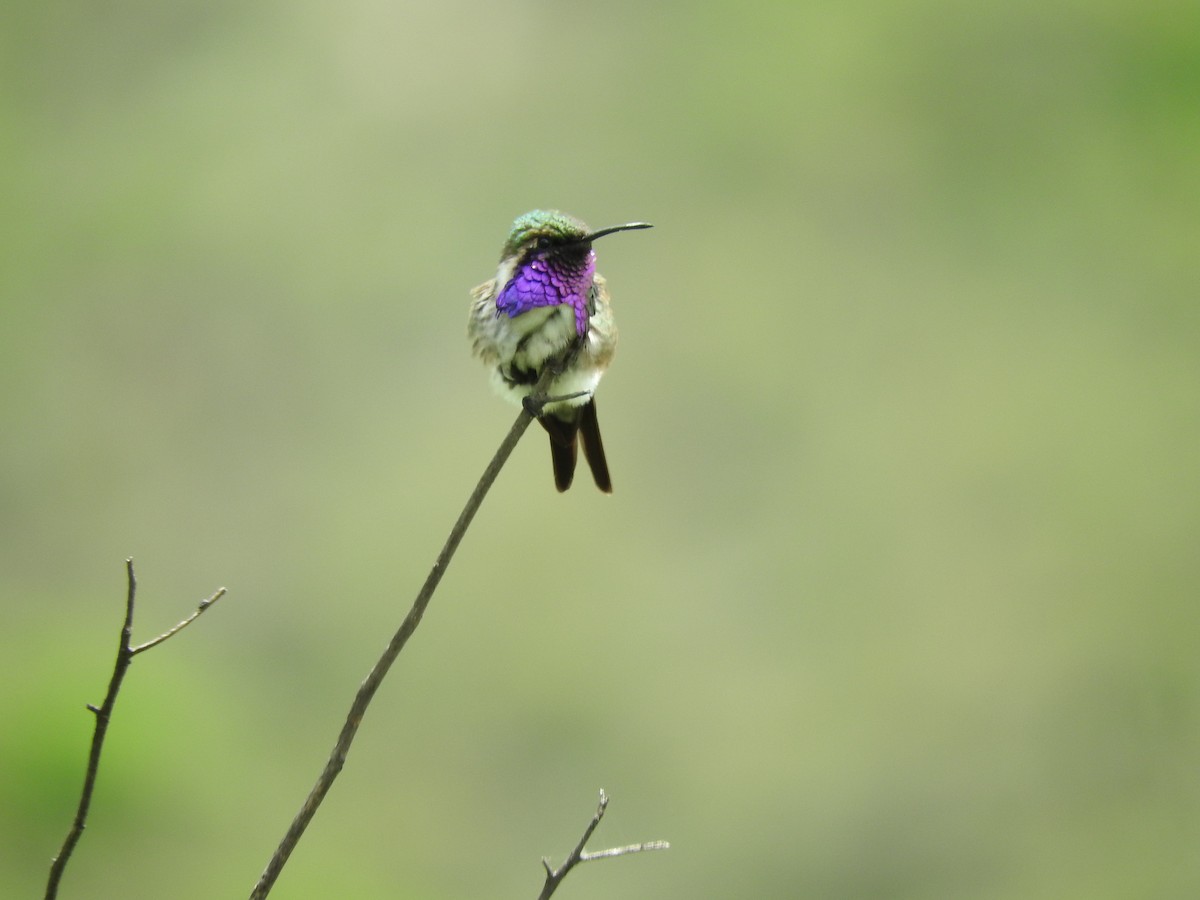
(554, 877)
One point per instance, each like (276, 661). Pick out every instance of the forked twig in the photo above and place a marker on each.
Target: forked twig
(554, 877)
(125, 654)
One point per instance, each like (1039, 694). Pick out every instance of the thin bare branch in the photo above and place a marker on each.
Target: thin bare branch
(370, 685)
(554, 877)
(204, 605)
(103, 713)
(623, 851)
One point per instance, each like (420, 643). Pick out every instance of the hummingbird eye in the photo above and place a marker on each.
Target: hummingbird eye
(542, 243)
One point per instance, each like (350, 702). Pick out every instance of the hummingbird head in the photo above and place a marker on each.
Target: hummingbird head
(542, 230)
(547, 261)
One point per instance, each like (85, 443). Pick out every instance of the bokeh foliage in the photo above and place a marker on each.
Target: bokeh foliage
(896, 596)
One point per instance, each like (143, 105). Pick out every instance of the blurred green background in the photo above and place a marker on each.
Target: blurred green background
(897, 593)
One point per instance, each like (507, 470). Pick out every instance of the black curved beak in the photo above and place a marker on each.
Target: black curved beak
(629, 226)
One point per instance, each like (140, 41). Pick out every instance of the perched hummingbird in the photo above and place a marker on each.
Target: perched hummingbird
(548, 307)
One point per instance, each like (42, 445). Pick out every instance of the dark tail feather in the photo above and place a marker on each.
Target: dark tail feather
(563, 449)
(593, 447)
(563, 458)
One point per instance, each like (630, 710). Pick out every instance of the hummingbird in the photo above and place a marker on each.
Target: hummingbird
(547, 307)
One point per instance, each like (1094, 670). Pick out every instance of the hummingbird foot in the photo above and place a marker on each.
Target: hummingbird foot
(535, 404)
